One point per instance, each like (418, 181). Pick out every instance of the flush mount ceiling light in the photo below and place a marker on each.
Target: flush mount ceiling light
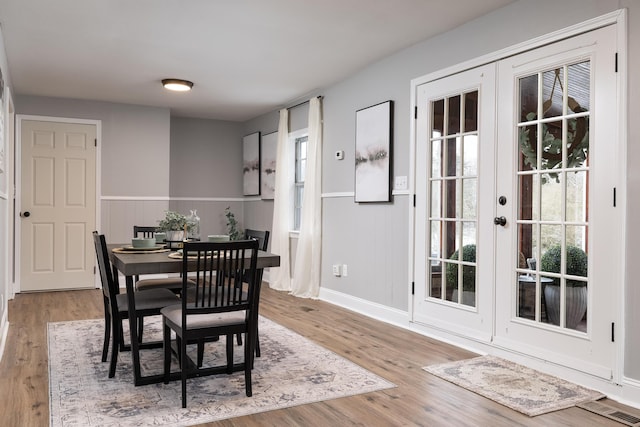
(177, 85)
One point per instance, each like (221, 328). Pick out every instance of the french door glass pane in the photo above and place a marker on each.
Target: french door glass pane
(453, 198)
(553, 183)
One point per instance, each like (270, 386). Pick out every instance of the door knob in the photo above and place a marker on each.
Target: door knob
(26, 214)
(500, 220)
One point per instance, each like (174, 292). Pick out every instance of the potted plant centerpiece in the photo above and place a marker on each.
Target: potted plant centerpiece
(174, 225)
(468, 276)
(576, 290)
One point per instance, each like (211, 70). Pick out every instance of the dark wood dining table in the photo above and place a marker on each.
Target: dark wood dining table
(131, 264)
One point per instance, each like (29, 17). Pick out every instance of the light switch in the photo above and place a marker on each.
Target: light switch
(400, 183)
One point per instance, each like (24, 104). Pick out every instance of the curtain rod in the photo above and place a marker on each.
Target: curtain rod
(304, 102)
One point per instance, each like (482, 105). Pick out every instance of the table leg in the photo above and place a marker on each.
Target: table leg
(133, 331)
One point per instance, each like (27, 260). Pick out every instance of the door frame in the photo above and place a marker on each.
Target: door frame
(18, 183)
(617, 18)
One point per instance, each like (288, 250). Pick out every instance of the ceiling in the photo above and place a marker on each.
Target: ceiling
(245, 57)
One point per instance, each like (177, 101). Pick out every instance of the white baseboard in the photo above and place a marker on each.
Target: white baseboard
(627, 393)
(376, 311)
(4, 332)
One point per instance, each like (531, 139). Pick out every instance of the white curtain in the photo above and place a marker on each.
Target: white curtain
(306, 277)
(280, 277)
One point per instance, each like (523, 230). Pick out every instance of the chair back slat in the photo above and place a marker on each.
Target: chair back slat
(144, 231)
(262, 236)
(110, 287)
(217, 268)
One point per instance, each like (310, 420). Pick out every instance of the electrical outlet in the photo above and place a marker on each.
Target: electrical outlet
(336, 270)
(344, 270)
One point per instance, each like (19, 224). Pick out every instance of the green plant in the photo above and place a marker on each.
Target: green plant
(551, 141)
(235, 232)
(468, 271)
(174, 221)
(576, 263)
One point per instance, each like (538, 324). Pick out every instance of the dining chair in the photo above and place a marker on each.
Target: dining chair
(172, 283)
(220, 305)
(144, 231)
(262, 236)
(116, 305)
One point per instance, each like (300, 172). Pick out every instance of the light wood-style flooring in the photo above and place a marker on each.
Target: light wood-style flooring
(419, 399)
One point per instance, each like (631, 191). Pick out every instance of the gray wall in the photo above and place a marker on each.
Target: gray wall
(206, 171)
(206, 158)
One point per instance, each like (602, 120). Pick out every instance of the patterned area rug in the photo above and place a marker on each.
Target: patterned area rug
(292, 371)
(512, 385)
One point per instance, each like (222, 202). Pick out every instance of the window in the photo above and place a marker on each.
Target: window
(300, 142)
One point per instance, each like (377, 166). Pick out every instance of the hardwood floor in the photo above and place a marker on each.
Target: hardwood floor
(419, 399)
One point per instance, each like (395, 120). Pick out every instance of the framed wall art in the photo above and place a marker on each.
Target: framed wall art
(268, 154)
(251, 164)
(374, 135)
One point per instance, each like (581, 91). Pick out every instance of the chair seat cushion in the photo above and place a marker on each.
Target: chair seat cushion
(200, 321)
(148, 300)
(166, 283)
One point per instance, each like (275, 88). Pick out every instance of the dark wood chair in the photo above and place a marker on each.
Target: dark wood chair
(116, 305)
(221, 305)
(263, 242)
(262, 236)
(144, 231)
(172, 283)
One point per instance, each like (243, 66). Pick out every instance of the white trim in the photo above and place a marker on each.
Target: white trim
(188, 199)
(338, 194)
(4, 331)
(374, 310)
(18, 182)
(21, 117)
(136, 198)
(622, 125)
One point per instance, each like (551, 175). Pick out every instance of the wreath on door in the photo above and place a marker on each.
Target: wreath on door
(551, 150)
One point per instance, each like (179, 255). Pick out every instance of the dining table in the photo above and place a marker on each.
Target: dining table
(132, 263)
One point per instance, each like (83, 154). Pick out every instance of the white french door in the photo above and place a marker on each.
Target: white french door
(455, 156)
(558, 258)
(517, 239)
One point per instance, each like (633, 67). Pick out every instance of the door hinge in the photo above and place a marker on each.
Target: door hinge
(414, 200)
(616, 62)
(614, 197)
(95, 142)
(413, 288)
(613, 332)
(415, 112)
(94, 269)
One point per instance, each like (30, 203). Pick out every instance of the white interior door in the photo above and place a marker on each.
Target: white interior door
(58, 200)
(455, 161)
(558, 257)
